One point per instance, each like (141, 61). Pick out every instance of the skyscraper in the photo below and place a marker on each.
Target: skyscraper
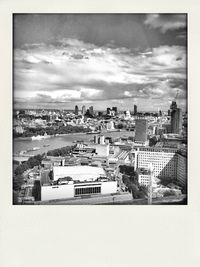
(176, 121)
(141, 130)
(173, 105)
(135, 110)
(91, 110)
(108, 111)
(114, 109)
(76, 110)
(83, 110)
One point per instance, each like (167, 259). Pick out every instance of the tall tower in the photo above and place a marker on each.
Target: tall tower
(173, 105)
(76, 110)
(176, 121)
(91, 110)
(114, 109)
(83, 110)
(135, 110)
(108, 110)
(140, 130)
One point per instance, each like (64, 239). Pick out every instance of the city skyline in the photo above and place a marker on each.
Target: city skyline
(100, 60)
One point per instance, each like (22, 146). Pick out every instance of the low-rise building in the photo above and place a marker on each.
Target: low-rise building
(80, 181)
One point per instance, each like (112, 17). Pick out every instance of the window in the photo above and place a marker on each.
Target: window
(87, 190)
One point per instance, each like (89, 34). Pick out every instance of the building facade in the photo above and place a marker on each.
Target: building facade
(76, 110)
(83, 110)
(176, 121)
(141, 130)
(164, 161)
(68, 191)
(182, 168)
(135, 110)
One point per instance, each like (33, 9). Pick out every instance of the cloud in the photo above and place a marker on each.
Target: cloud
(166, 22)
(72, 71)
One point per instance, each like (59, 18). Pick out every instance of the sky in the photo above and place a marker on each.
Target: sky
(100, 60)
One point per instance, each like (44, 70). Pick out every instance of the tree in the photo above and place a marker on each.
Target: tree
(18, 180)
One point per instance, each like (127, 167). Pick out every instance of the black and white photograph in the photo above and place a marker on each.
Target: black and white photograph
(99, 109)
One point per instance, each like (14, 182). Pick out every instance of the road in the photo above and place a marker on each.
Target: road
(121, 199)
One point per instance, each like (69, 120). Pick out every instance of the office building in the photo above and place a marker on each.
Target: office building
(135, 110)
(108, 111)
(140, 130)
(173, 105)
(110, 126)
(167, 163)
(83, 110)
(101, 140)
(176, 121)
(75, 181)
(114, 109)
(164, 160)
(76, 110)
(91, 110)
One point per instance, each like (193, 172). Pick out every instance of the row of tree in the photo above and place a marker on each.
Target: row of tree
(18, 178)
(130, 180)
(63, 151)
(51, 131)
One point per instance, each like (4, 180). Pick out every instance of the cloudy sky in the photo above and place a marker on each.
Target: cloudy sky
(63, 60)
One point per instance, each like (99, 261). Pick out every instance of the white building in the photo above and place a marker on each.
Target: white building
(86, 180)
(110, 126)
(164, 160)
(80, 189)
(143, 179)
(100, 149)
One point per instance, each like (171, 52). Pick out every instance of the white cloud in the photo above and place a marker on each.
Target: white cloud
(165, 22)
(72, 70)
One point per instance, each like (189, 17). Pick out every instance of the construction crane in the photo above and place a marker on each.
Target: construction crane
(177, 93)
(173, 104)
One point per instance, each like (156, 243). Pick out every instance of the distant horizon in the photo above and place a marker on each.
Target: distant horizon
(99, 110)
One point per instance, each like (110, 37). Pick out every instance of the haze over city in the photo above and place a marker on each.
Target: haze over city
(99, 60)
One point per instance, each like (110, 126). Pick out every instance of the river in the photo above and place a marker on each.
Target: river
(59, 141)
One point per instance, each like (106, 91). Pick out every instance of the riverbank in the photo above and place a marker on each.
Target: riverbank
(29, 138)
(61, 140)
